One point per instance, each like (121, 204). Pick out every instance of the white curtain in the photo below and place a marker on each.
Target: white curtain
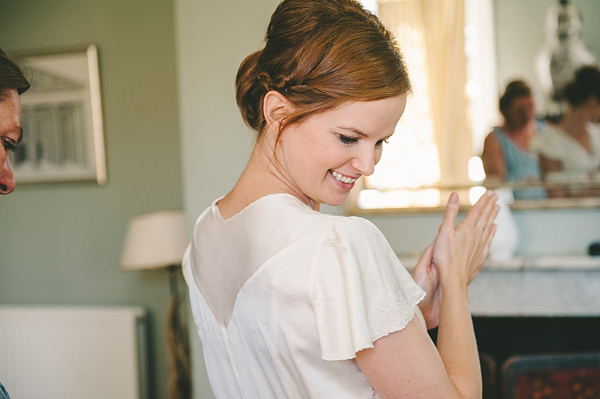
(431, 34)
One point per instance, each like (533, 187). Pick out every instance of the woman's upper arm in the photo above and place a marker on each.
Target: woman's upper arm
(406, 364)
(493, 158)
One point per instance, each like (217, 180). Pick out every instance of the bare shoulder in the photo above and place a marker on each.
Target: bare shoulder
(491, 141)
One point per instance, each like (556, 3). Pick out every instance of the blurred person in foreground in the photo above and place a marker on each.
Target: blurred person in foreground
(12, 84)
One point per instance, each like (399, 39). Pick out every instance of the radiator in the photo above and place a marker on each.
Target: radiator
(73, 352)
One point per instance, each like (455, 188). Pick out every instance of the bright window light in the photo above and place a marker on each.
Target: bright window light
(410, 168)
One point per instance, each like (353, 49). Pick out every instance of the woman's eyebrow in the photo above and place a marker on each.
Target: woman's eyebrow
(354, 130)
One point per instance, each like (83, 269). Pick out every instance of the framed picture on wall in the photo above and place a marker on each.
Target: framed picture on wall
(63, 137)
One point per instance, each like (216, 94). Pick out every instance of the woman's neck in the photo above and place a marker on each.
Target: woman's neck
(520, 135)
(575, 122)
(575, 125)
(261, 176)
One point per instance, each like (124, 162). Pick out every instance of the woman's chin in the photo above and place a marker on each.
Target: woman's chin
(336, 201)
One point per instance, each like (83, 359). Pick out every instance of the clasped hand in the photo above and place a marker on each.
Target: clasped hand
(458, 252)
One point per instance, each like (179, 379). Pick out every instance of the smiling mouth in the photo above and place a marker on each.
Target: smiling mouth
(340, 177)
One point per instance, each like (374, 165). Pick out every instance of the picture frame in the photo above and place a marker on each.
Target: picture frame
(63, 134)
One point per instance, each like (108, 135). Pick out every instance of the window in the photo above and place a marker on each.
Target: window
(448, 48)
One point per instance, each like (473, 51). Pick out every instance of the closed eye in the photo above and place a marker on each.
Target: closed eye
(346, 139)
(9, 145)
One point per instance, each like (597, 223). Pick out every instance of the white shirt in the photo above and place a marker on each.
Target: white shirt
(283, 298)
(578, 163)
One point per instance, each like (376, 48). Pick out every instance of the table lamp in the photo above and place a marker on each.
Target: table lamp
(157, 240)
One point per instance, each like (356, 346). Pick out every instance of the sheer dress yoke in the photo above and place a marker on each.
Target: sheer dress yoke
(283, 297)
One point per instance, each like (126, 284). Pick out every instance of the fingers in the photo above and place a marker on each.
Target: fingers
(426, 277)
(486, 221)
(428, 253)
(451, 211)
(427, 256)
(423, 266)
(474, 214)
(486, 247)
(489, 220)
(488, 230)
(489, 213)
(488, 240)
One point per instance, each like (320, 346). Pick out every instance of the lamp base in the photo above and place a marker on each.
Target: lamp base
(180, 385)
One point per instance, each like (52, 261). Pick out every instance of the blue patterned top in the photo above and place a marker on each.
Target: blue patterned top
(3, 393)
(520, 166)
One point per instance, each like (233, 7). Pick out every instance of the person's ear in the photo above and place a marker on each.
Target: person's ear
(275, 108)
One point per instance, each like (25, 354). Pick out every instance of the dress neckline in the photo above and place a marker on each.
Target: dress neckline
(576, 144)
(217, 211)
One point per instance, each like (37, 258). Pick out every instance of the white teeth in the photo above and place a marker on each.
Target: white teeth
(342, 178)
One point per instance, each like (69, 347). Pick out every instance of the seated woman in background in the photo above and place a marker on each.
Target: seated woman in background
(506, 151)
(571, 151)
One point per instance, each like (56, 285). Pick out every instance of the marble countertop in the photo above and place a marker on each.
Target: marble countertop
(544, 286)
(545, 263)
(536, 293)
(575, 262)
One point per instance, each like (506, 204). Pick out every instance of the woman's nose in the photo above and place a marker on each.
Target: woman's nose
(7, 179)
(364, 162)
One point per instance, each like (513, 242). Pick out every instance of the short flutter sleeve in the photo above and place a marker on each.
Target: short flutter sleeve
(361, 290)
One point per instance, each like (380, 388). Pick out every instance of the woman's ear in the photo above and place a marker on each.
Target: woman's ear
(275, 108)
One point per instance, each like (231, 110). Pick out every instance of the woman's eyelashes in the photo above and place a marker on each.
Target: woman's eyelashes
(351, 140)
(381, 142)
(346, 139)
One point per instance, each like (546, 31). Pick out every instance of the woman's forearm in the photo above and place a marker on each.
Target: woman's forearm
(456, 341)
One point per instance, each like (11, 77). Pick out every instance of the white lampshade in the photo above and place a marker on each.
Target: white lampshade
(154, 240)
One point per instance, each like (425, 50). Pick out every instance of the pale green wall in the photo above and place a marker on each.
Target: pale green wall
(212, 39)
(61, 243)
